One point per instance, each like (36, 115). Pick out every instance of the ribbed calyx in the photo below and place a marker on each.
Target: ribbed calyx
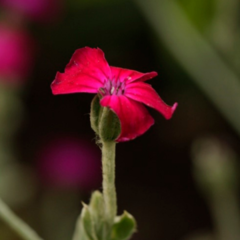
(104, 122)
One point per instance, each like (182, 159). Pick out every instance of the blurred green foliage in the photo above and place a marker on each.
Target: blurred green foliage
(200, 12)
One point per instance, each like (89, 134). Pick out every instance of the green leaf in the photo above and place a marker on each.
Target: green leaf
(98, 215)
(124, 226)
(97, 205)
(85, 227)
(79, 233)
(87, 222)
(199, 12)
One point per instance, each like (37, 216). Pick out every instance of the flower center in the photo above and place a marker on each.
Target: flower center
(112, 87)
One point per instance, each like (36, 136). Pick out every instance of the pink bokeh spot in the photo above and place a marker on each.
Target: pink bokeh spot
(40, 10)
(70, 163)
(16, 54)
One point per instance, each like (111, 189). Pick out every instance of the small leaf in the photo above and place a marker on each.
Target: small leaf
(84, 227)
(79, 233)
(124, 226)
(97, 205)
(87, 222)
(98, 214)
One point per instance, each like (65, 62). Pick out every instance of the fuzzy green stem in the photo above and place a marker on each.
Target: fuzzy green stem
(20, 227)
(109, 191)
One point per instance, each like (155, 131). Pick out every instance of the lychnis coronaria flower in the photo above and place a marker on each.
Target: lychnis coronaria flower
(122, 90)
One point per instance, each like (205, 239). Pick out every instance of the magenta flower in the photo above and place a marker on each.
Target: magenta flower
(124, 91)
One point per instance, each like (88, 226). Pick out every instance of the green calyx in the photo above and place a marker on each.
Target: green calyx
(104, 122)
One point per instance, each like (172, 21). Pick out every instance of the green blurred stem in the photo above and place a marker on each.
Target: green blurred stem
(224, 27)
(225, 212)
(20, 227)
(109, 190)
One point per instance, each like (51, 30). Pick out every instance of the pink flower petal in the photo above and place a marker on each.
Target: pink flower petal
(86, 72)
(134, 117)
(144, 93)
(122, 74)
(64, 83)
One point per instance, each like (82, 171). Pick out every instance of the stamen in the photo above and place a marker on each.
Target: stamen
(112, 90)
(112, 87)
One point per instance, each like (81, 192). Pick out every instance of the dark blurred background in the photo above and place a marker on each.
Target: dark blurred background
(50, 162)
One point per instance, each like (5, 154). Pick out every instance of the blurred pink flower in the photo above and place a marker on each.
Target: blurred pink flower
(70, 163)
(16, 50)
(40, 10)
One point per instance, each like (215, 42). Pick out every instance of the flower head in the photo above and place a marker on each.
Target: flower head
(122, 90)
